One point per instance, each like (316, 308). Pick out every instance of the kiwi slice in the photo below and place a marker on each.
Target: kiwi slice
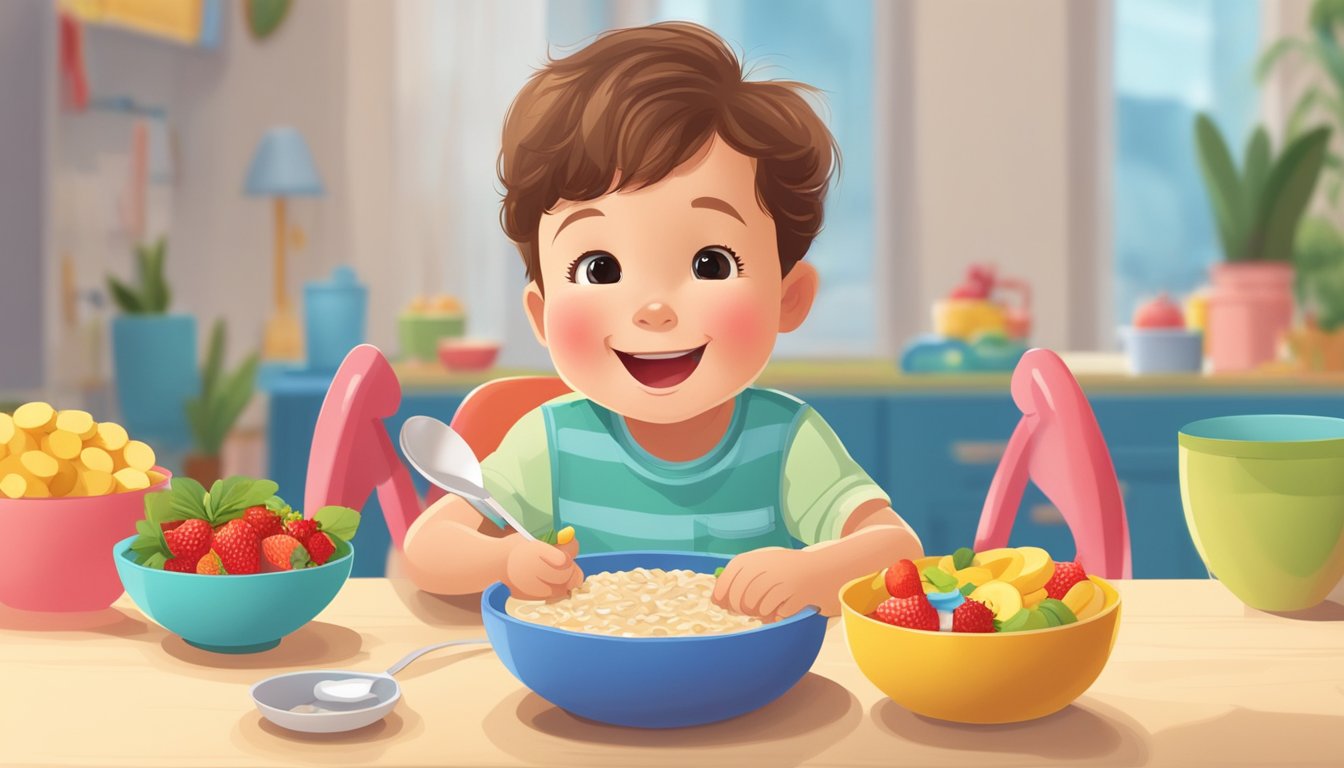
(1058, 610)
(1017, 622)
(1036, 620)
(962, 558)
(940, 579)
(967, 589)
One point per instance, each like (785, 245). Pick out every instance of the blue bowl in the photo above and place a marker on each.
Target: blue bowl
(232, 614)
(654, 682)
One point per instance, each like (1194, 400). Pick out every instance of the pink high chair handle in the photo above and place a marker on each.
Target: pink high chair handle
(1059, 446)
(352, 453)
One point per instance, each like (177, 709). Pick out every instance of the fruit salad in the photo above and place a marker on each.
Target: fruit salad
(1012, 589)
(238, 527)
(46, 453)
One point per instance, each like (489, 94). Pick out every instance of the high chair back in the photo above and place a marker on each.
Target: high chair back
(352, 454)
(1059, 446)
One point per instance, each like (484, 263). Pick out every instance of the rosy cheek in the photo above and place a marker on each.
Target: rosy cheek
(574, 332)
(742, 326)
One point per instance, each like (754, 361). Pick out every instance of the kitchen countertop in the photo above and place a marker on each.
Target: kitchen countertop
(1196, 678)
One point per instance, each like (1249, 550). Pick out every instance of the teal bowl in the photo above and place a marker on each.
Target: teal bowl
(232, 614)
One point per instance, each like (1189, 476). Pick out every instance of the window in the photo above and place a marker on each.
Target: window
(825, 44)
(1173, 58)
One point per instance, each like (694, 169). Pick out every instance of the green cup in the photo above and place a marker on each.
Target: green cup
(420, 333)
(1264, 501)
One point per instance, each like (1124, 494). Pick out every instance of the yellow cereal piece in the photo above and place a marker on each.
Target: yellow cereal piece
(9, 465)
(20, 443)
(62, 444)
(39, 464)
(155, 477)
(109, 437)
(92, 482)
(79, 423)
(35, 417)
(137, 455)
(64, 481)
(13, 485)
(130, 479)
(4, 450)
(564, 535)
(7, 429)
(96, 459)
(37, 489)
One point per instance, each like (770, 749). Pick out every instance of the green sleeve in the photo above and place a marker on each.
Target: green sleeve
(518, 476)
(822, 485)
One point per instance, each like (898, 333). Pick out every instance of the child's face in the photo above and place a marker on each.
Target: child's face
(663, 302)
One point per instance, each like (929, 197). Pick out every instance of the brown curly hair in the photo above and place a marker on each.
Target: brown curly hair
(640, 102)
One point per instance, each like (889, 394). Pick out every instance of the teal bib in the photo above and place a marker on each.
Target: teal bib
(619, 497)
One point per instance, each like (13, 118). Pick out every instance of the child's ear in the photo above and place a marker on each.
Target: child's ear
(534, 304)
(800, 288)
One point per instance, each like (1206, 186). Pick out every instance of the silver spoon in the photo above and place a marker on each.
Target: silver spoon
(443, 458)
(356, 689)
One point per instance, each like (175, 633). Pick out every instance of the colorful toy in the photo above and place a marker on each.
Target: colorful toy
(973, 329)
(1159, 342)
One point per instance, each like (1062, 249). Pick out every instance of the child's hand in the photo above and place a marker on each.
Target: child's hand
(538, 571)
(774, 583)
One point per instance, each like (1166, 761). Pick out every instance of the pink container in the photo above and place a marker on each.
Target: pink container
(467, 354)
(56, 554)
(1250, 312)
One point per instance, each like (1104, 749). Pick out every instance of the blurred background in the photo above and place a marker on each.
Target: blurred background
(278, 180)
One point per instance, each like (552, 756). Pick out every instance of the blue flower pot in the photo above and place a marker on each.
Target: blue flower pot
(155, 365)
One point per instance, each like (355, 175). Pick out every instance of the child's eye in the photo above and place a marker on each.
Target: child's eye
(716, 262)
(595, 268)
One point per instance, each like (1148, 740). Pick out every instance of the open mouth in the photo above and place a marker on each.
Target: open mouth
(662, 369)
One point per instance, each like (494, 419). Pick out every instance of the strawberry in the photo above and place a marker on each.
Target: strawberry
(181, 565)
(265, 522)
(320, 547)
(237, 547)
(1066, 575)
(914, 612)
(171, 524)
(903, 580)
(189, 541)
(284, 553)
(210, 565)
(972, 616)
(301, 528)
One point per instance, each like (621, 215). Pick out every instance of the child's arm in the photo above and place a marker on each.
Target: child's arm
(775, 582)
(830, 504)
(451, 549)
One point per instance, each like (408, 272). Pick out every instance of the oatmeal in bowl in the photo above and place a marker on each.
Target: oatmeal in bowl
(641, 602)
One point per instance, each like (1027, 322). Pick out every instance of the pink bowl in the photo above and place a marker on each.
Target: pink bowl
(55, 554)
(467, 354)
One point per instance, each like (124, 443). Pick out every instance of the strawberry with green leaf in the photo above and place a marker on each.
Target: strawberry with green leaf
(186, 500)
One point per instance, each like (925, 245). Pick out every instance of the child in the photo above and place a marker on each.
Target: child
(662, 205)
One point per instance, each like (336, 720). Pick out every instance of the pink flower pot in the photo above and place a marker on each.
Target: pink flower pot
(1250, 312)
(56, 554)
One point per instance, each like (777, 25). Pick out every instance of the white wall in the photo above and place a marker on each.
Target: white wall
(995, 180)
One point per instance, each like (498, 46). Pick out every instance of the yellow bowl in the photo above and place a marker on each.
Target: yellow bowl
(978, 678)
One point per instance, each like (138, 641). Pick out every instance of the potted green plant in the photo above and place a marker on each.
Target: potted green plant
(1256, 211)
(153, 352)
(1318, 344)
(213, 414)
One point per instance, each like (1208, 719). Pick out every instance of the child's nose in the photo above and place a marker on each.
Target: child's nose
(656, 316)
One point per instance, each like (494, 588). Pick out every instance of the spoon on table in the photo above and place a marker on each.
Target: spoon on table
(443, 458)
(355, 689)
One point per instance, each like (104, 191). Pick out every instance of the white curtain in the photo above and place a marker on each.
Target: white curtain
(458, 67)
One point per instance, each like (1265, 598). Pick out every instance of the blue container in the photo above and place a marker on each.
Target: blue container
(232, 614)
(335, 317)
(156, 370)
(654, 682)
(1164, 350)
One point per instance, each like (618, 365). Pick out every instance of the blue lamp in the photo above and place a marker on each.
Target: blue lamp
(283, 167)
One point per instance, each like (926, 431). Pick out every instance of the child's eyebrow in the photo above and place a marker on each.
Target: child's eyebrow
(582, 213)
(715, 204)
